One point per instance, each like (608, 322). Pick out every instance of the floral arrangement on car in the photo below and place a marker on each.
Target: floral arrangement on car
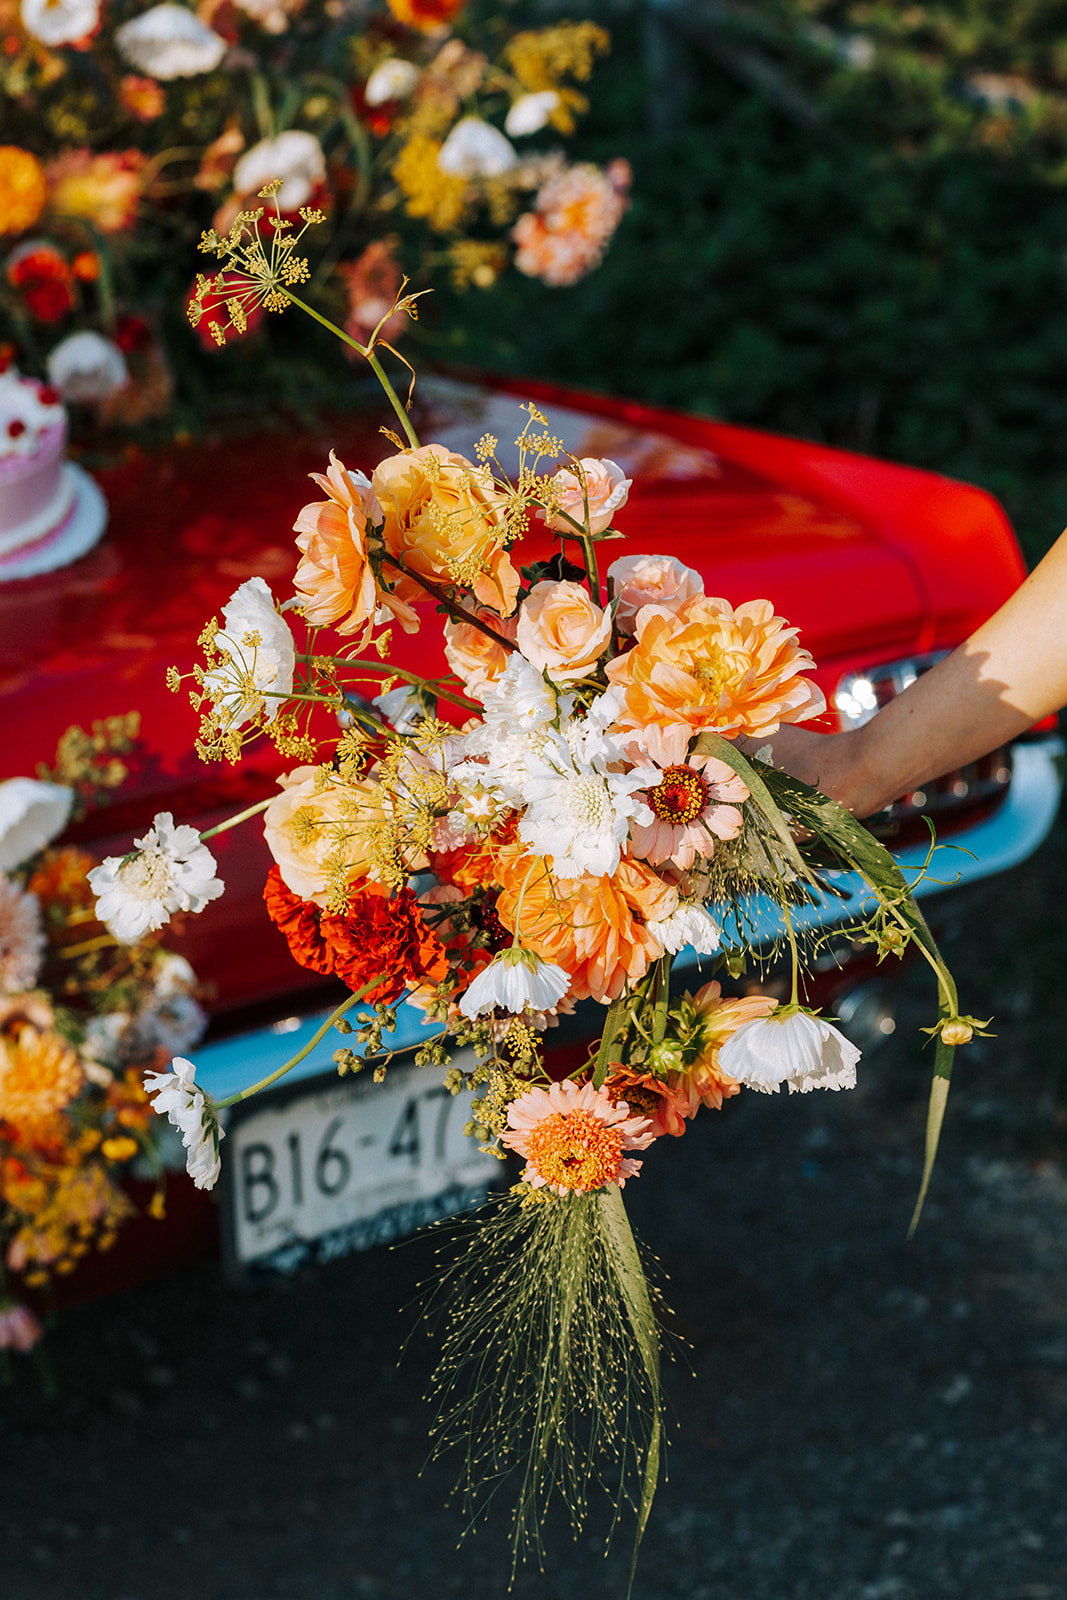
(585, 791)
(84, 1011)
(432, 142)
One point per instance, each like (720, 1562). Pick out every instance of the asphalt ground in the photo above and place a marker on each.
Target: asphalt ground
(854, 1417)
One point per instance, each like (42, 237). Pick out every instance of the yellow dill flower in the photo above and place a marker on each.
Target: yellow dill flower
(440, 197)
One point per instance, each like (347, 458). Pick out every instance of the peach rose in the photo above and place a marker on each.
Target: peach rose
(474, 657)
(335, 578)
(562, 631)
(444, 518)
(603, 482)
(309, 831)
(638, 581)
(710, 666)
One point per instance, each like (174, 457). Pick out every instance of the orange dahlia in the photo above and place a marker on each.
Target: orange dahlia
(39, 1075)
(667, 1103)
(711, 666)
(594, 928)
(574, 1139)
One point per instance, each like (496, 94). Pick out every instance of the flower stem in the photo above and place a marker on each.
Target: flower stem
(242, 816)
(387, 670)
(612, 1025)
(455, 611)
(317, 1036)
(369, 356)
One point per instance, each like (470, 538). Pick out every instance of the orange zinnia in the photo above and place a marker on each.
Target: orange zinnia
(709, 666)
(594, 928)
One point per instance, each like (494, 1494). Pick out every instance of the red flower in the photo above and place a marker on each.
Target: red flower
(44, 280)
(383, 937)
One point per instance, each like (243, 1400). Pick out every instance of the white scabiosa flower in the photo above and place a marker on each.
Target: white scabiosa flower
(86, 367)
(513, 981)
(391, 80)
(530, 112)
(688, 926)
(475, 149)
(579, 812)
(294, 156)
(793, 1047)
(56, 22)
(32, 814)
(177, 1096)
(168, 871)
(170, 42)
(259, 658)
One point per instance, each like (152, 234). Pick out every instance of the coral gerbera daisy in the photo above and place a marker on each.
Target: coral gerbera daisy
(575, 1138)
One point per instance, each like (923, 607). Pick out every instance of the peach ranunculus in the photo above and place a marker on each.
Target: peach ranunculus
(713, 667)
(562, 631)
(101, 186)
(335, 579)
(606, 486)
(313, 832)
(638, 581)
(594, 928)
(473, 655)
(445, 519)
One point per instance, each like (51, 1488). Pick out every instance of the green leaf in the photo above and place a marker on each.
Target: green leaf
(713, 744)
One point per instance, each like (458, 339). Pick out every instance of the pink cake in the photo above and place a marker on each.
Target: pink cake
(36, 495)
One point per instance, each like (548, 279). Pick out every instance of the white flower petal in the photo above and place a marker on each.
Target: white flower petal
(32, 814)
(800, 1050)
(475, 149)
(170, 42)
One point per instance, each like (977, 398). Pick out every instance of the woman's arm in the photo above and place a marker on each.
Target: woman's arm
(1008, 675)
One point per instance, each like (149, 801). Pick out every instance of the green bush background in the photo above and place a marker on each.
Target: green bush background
(875, 256)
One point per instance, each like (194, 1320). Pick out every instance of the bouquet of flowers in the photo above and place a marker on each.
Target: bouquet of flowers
(128, 130)
(83, 1013)
(585, 792)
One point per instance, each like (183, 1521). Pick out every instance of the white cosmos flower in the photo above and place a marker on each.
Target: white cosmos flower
(475, 149)
(530, 112)
(513, 981)
(294, 156)
(401, 707)
(259, 657)
(32, 814)
(56, 22)
(391, 80)
(85, 366)
(170, 42)
(689, 925)
(579, 813)
(170, 870)
(791, 1047)
(178, 1097)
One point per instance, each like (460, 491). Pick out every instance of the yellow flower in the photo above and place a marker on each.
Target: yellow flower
(39, 1075)
(23, 189)
(438, 196)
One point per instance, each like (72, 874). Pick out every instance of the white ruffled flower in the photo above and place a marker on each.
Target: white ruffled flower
(170, 870)
(530, 112)
(294, 156)
(514, 981)
(579, 812)
(170, 42)
(32, 814)
(21, 937)
(259, 657)
(391, 80)
(56, 22)
(85, 366)
(475, 149)
(688, 926)
(791, 1047)
(401, 707)
(177, 1097)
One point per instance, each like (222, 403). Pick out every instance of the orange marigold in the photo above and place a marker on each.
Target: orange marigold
(594, 928)
(23, 189)
(711, 666)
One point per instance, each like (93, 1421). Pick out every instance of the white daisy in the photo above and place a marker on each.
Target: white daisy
(168, 871)
(579, 812)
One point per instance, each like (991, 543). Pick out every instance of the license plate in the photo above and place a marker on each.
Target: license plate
(346, 1164)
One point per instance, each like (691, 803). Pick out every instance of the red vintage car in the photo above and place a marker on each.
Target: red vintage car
(882, 567)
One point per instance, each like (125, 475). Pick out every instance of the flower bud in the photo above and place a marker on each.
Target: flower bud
(956, 1032)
